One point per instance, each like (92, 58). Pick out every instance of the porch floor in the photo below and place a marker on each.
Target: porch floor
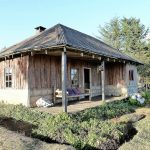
(75, 106)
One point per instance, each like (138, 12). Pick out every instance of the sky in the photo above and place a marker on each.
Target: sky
(18, 18)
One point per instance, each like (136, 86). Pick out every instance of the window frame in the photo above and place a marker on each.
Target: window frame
(8, 78)
(131, 75)
(75, 74)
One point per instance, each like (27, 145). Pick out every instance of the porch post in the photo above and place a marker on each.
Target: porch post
(103, 79)
(63, 79)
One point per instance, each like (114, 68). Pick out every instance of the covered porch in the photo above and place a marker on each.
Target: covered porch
(109, 78)
(65, 68)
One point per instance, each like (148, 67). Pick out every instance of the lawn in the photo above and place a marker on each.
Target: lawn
(103, 127)
(141, 141)
(10, 140)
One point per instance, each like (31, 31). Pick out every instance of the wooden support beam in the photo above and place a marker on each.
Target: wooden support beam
(32, 53)
(64, 79)
(103, 80)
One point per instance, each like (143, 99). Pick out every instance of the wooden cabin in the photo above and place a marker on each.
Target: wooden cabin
(59, 58)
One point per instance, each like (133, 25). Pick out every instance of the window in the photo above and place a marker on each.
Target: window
(131, 75)
(8, 77)
(74, 77)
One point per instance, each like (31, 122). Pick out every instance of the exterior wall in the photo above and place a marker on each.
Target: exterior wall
(18, 94)
(132, 86)
(45, 74)
(37, 76)
(14, 96)
(115, 79)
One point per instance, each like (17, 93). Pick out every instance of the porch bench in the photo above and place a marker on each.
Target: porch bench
(59, 95)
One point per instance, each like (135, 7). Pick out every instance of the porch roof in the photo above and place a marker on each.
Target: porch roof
(60, 35)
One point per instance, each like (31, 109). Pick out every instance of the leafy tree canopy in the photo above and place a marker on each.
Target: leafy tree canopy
(129, 36)
(124, 34)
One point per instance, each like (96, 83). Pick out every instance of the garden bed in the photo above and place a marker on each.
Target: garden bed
(88, 129)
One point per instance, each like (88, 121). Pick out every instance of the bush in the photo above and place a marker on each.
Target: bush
(135, 102)
(106, 111)
(146, 95)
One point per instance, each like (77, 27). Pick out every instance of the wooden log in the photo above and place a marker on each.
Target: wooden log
(63, 75)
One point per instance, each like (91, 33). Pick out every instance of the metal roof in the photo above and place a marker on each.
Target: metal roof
(62, 35)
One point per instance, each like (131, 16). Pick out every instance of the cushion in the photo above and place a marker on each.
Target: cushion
(70, 91)
(76, 92)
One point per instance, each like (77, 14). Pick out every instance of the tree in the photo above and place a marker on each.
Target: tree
(124, 34)
(111, 34)
(129, 35)
(133, 34)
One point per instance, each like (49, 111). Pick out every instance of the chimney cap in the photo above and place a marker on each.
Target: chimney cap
(40, 28)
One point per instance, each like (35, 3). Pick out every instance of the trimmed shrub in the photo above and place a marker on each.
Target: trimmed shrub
(134, 102)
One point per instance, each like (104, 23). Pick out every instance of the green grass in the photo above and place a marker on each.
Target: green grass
(141, 140)
(89, 128)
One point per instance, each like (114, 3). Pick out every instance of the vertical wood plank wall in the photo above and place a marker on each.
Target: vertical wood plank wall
(114, 73)
(18, 93)
(19, 68)
(45, 73)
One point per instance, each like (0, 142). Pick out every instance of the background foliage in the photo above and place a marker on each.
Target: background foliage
(129, 36)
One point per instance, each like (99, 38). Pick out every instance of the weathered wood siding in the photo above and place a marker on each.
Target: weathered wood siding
(115, 80)
(36, 76)
(18, 94)
(114, 73)
(19, 68)
(132, 86)
(44, 75)
(45, 71)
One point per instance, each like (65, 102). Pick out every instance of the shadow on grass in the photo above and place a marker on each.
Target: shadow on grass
(23, 128)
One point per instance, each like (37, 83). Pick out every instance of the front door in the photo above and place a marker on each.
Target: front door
(87, 78)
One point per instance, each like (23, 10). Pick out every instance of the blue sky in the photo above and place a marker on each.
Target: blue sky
(19, 17)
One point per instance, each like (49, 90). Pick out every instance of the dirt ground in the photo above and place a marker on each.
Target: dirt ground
(10, 140)
(76, 106)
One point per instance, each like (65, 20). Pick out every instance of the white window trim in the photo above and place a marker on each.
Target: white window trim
(8, 80)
